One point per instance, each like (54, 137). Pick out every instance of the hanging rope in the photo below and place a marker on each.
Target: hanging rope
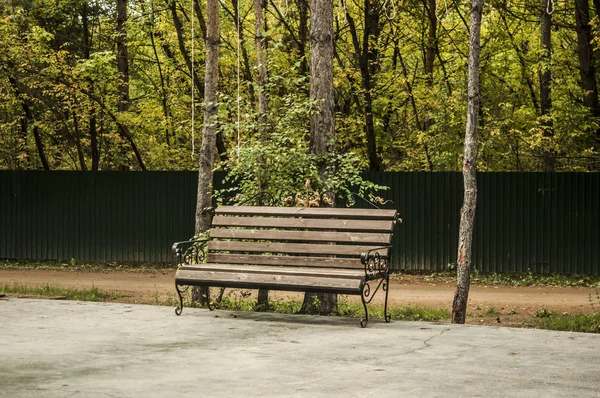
(385, 8)
(193, 88)
(550, 7)
(342, 6)
(445, 11)
(287, 7)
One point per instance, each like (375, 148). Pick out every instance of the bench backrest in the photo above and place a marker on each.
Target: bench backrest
(292, 236)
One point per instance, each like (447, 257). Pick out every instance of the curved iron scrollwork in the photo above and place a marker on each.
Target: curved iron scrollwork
(187, 253)
(377, 270)
(190, 251)
(179, 308)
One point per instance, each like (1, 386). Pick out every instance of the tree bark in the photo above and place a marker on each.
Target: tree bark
(29, 118)
(548, 156)
(302, 34)
(246, 70)
(207, 151)
(587, 70)
(206, 162)
(94, 142)
(78, 145)
(367, 58)
(261, 60)
(322, 122)
(180, 41)
(122, 59)
(467, 216)
(263, 103)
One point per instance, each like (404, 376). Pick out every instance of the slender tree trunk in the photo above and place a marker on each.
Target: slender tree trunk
(180, 41)
(163, 91)
(94, 142)
(322, 122)
(261, 59)
(77, 137)
(122, 58)
(548, 156)
(587, 70)
(246, 72)
(521, 52)
(29, 116)
(22, 160)
(201, 20)
(467, 216)
(263, 103)
(367, 58)
(302, 34)
(87, 47)
(209, 141)
(208, 149)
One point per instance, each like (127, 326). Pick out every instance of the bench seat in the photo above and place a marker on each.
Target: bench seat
(318, 250)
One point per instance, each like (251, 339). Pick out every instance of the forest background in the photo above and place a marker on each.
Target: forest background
(96, 85)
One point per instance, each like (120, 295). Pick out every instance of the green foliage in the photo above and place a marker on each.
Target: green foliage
(61, 56)
(584, 323)
(273, 164)
(48, 290)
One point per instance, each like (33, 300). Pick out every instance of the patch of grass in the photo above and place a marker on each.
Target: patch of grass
(585, 323)
(543, 313)
(533, 279)
(510, 279)
(492, 311)
(47, 290)
(239, 300)
(73, 265)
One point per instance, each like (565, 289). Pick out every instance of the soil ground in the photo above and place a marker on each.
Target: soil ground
(490, 305)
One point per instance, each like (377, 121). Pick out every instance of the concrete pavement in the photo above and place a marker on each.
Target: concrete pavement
(82, 349)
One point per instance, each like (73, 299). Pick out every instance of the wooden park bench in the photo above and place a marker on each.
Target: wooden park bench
(321, 250)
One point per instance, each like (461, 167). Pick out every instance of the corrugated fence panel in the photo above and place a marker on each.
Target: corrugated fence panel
(535, 222)
(105, 216)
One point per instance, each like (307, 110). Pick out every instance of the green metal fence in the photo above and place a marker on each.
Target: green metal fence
(539, 222)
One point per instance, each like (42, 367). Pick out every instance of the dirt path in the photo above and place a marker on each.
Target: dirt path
(512, 305)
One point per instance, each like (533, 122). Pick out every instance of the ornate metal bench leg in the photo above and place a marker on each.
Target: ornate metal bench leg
(385, 287)
(180, 307)
(365, 293)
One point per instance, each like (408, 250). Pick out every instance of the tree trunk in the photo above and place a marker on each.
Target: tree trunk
(367, 58)
(206, 163)
(246, 72)
(261, 60)
(122, 59)
(322, 122)
(29, 116)
(180, 41)
(467, 216)
(207, 152)
(77, 138)
(94, 142)
(302, 34)
(587, 70)
(548, 156)
(430, 52)
(263, 128)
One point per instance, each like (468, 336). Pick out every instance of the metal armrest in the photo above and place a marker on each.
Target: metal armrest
(189, 250)
(376, 265)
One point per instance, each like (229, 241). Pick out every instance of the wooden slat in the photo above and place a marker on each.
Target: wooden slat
(304, 236)
(309, 212)
(271, 282)
(292, 248)
(270, 270)
(291, 261)
(303, 223)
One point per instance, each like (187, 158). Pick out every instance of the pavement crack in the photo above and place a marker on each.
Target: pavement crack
(426, 342)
